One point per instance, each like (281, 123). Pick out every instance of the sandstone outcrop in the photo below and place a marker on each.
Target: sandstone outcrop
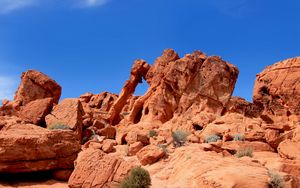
(36, 85)
(94, 168)
(191, 167)
(68, 112)
(150, 154)
(180, 88)
(191, 95)
(277, 89)
(35, 111)
(29, 148)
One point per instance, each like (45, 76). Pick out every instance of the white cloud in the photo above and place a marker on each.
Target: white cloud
(8, 86)
(95, 2)
(7, 6)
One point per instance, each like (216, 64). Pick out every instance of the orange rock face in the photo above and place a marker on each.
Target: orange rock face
(277, 89)
(191, 167)
(150, 154)
(36, 111)
(93, 168)
(36, 85)
(29, 148)
(68, 112)
(182, 87)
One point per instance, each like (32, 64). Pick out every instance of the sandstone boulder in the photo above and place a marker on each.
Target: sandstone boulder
(134, 148)
(36, 85)
(290, 148)
(108, 145)
(35, 111)
(29, 148)
(94, 168)
(68, 112)
(150, 154)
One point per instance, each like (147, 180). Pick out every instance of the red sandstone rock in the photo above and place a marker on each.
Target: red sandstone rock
(29, 148)
(277, 89)
(137, 136)
(290, 148)
(191, 167)
(36, 85)
(108, 145)
(109, 132)
(68, 112)
(150, 154)
(35, 111)
(241, 106)
(138, 72)
(134, 148)
(93, 168)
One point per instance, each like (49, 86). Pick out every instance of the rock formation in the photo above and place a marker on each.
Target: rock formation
(36, 85)
(277, 89)
(187, 130)
(29, 148)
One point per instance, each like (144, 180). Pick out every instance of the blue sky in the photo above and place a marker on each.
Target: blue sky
(90, 45)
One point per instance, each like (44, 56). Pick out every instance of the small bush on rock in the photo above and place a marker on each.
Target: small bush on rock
(152, 133)
(276, 181)
(138, 178)
(59, 126)
(238, 137)
(212, 138)
(244, 152)
(179, 138)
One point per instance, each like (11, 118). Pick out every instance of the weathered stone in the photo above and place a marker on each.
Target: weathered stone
(134, 148)
(277, 89)
(150, 154)
(35, 111)
(36, 85)
(94, 168)
(29, 148)
(68, 112)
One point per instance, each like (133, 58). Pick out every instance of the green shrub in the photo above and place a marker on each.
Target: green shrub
(59, 126)
(138, 178)
(238, 137)
(179, 138)
(152, 133)
(276, 181)
(212, 138)
(244, 152)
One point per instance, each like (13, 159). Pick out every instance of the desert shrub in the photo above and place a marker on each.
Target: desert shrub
(179, 138)
(152, 133)
(125, 113)
(244, 152)
(212, 138)
(276, 181)
(164, 148)
(238, 137)
(138, 178)
(59, 126)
